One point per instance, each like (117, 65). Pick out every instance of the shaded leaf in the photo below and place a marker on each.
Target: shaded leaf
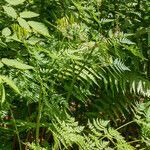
(3, 94)
(1, 65)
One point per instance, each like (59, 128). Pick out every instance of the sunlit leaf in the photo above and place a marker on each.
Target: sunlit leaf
(6, 31)
(39, 27)
(10, 83)
(23, 23)
(28, 14)
(15, 2)
(10, 11)
(33, 40)
(16, 64)
(103, 21)
(126, 41)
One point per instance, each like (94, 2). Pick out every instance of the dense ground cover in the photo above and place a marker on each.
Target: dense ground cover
(74, 74)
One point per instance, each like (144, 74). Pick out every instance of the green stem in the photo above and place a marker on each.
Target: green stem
(125, 124)
(135, 141)
(40, 106)
(39, 116)
(15, 125)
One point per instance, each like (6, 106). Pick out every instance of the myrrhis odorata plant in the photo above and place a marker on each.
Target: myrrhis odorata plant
(74, 75)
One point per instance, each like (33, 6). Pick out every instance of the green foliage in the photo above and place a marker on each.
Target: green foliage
(4, 79)
(10, 11)
(142, 118)
(97, 135)
(39, 27)
(28, 14)
(15, 2)
(6, 32)
(14, 63)
(72, 72)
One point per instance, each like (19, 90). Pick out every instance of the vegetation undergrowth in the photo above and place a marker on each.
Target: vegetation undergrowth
(74, 75)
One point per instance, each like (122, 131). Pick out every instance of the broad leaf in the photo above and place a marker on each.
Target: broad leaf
(39, 27)
(15, 2)
(15, 63)
(23, 24)
(15, 38)
(28, 14)
(33, 40)
(10, 11)
(10, 83)
(6, 31)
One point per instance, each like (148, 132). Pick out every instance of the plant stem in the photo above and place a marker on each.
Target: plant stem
(39, 117)
(15, 125)
(125, 124)
(39, 113)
